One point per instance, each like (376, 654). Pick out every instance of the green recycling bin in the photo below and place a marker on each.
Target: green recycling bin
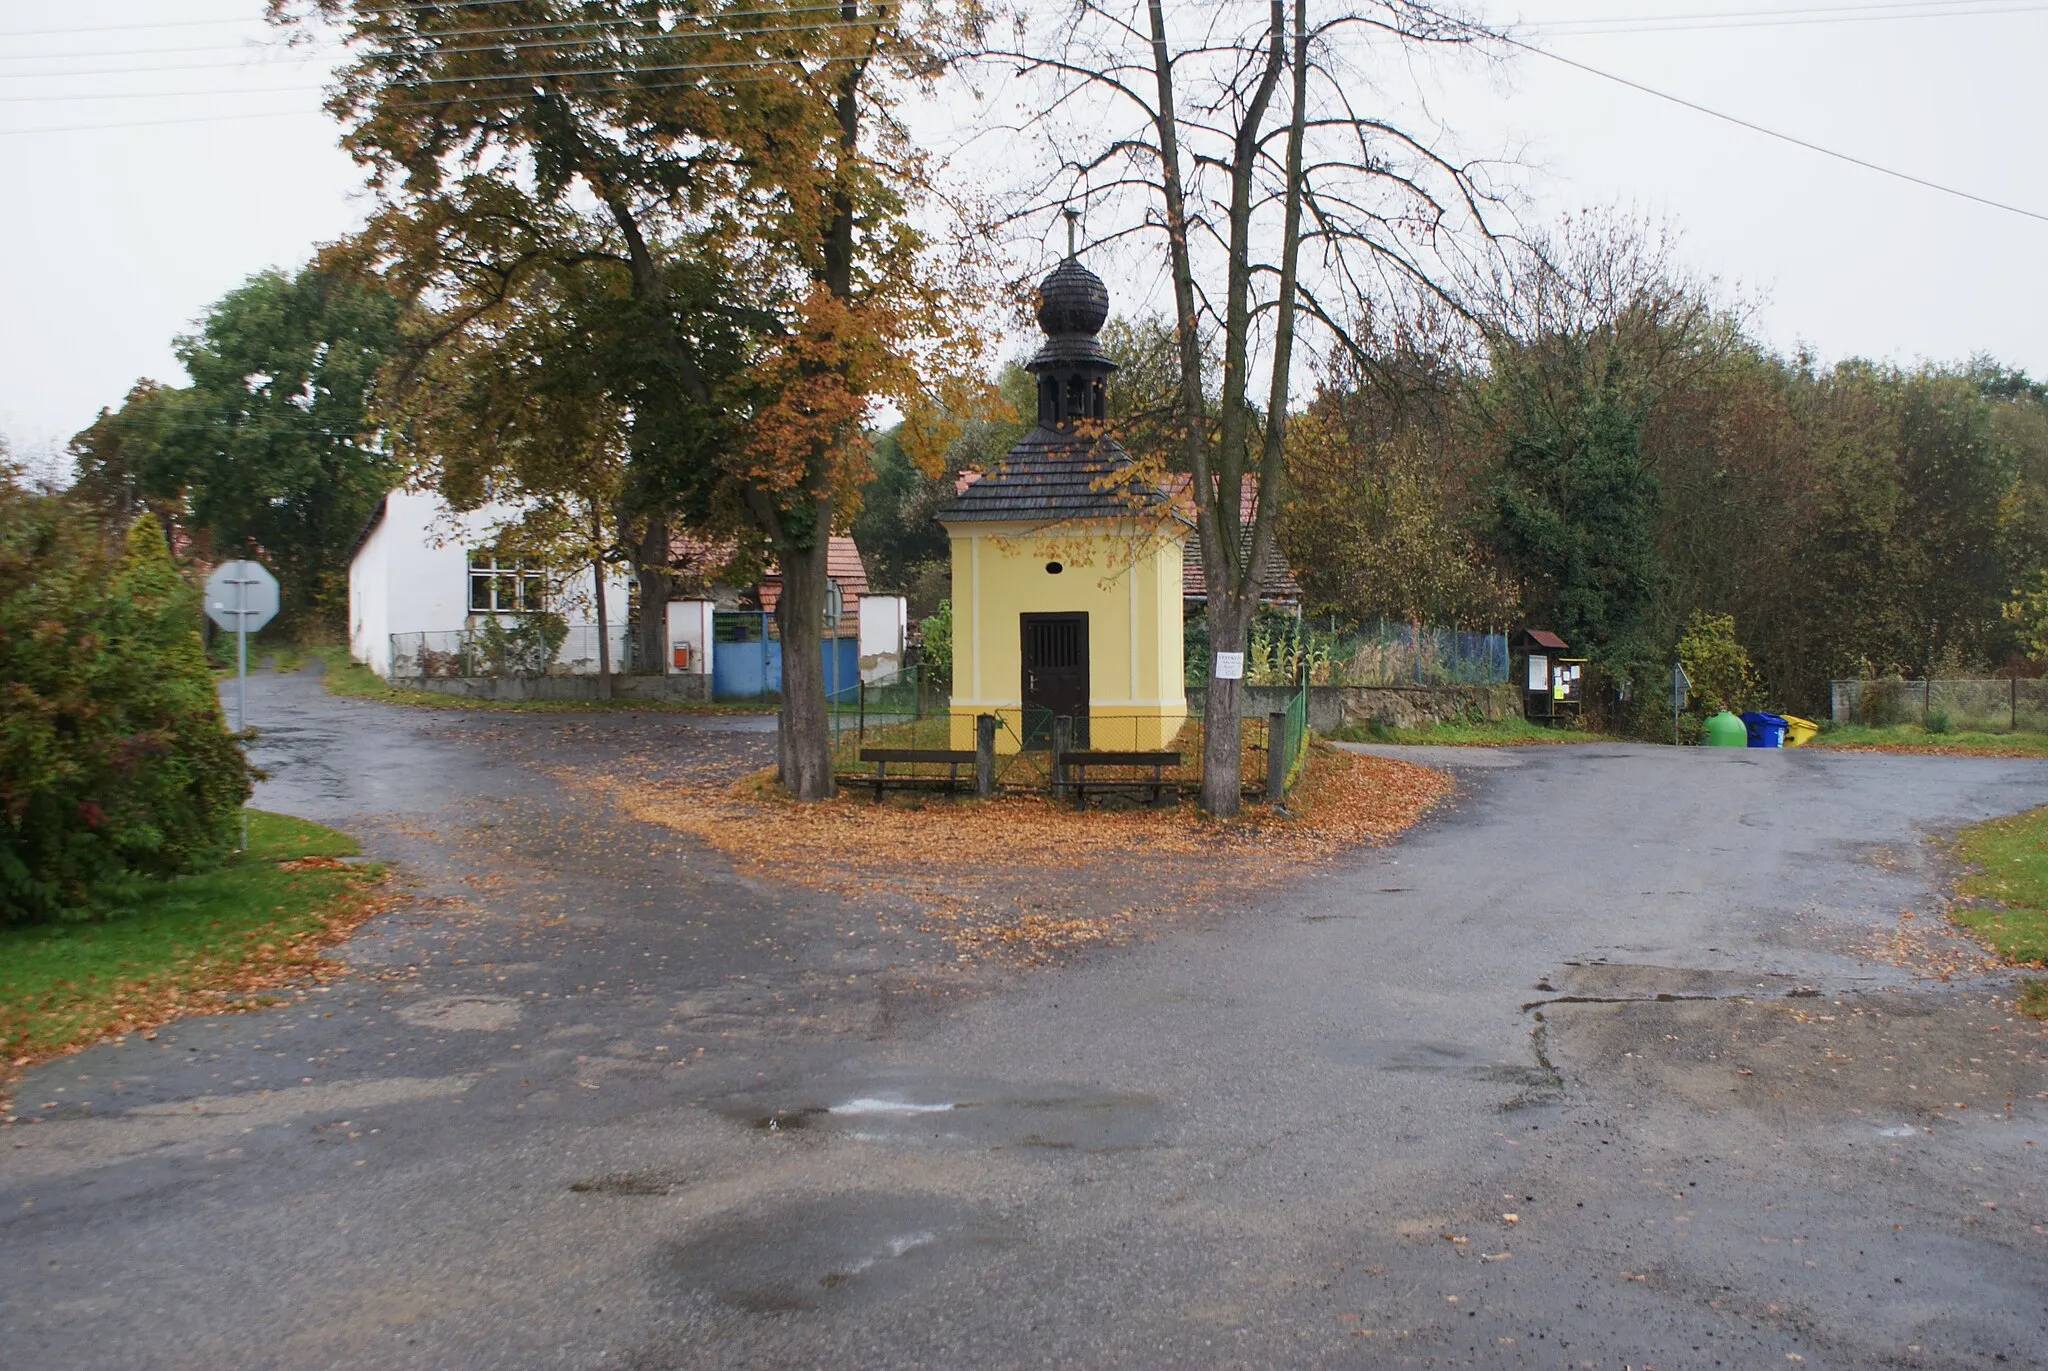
(1725, 730)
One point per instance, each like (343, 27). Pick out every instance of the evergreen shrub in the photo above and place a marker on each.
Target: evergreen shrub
(115, 761)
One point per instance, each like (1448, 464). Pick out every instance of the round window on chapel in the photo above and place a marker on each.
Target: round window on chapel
(1053, 568)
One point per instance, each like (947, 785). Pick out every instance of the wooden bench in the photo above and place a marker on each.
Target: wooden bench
(1076, 765)
(951, 758)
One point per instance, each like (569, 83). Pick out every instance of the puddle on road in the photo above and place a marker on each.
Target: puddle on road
(797, 1255)
(968, 1114)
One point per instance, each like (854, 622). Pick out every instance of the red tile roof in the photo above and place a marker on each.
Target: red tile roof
(842, 564)
(704, 559)
(1281, 587)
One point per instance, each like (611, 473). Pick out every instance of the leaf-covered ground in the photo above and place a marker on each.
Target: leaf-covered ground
(1020, 876)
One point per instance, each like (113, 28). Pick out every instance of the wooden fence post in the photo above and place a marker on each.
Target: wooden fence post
(984, 754)
(1276, 758)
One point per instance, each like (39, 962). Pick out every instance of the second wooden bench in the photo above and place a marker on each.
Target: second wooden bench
(1076, 765)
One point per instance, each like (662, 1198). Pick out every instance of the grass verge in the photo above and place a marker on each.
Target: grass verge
(344, 675)
(1912, 738)
(192, 944)
(2004, 898)
(1516, 732)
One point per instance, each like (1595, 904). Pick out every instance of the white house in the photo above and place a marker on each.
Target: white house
(423, 576)
(423, 580)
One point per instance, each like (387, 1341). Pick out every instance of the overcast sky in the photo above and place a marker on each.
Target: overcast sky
(115, 238)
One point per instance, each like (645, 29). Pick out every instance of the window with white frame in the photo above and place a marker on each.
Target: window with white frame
(502, 587)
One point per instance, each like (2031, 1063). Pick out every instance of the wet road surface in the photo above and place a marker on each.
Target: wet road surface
(1596, 1068)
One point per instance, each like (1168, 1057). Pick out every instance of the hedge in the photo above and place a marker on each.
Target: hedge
(115, 760)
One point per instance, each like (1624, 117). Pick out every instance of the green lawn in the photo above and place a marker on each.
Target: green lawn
(2004, 899)
(159, 948)
(1914, 738)
(1514, 732)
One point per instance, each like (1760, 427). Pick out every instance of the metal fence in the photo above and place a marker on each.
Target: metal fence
(1389, 654)
(1381, 654)
(513, 653)
(903, 714)
(2006, 706)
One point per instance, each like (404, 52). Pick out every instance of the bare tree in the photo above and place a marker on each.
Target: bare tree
(1259, 142)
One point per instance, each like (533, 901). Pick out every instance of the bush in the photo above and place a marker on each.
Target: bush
(1722, 676)
(524, 649)
(114, 758)
(937, 630)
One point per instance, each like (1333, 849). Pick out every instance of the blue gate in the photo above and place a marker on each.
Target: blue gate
(746, 658)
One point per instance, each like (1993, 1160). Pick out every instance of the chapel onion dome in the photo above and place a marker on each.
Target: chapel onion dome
(1072, 301)
(1070, 366)
(1069, 466)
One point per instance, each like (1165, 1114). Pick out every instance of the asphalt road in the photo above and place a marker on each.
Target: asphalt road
(589, 1099)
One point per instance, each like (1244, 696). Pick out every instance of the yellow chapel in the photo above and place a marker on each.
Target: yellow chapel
(1067, 562)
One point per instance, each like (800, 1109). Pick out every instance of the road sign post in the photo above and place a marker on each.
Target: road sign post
(1681, 689)
(241, 597)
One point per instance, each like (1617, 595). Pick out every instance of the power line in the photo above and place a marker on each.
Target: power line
(1773, 133)
(1872, 8)
(1566, 29)
(1741, 19)
(160, 123)
(749, 63)
(383, 10)
(441, 51)
(451, 99)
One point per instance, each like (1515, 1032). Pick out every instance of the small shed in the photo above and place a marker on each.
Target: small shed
(1552, 681)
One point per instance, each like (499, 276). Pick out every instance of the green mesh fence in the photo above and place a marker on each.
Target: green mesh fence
(1294, 740)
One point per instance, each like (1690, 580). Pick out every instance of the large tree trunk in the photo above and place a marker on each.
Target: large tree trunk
(650, 645)
(805, 751)
(1223, 707)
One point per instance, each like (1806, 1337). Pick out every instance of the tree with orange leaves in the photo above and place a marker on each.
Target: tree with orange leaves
(720, 197)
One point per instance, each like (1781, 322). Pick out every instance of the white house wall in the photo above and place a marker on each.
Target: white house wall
(689, 625)
(884, 624)
(412, 576)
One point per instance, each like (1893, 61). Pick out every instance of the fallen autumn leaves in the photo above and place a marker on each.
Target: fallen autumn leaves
(1022, 876)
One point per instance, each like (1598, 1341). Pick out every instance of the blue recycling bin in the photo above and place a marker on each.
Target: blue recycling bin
(1765, 729)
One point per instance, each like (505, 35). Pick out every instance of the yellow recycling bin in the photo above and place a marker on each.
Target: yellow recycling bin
(1798, 731)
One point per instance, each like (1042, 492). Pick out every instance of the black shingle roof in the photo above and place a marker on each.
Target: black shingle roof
(1051, 477)
(1066, 468)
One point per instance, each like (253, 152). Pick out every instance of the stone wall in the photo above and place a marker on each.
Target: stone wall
(691, 689)
(1334, 707)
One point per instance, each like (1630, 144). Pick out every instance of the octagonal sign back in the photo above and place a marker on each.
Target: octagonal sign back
(241, 596)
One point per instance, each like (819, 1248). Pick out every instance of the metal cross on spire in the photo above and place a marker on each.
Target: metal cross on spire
(1073, 219)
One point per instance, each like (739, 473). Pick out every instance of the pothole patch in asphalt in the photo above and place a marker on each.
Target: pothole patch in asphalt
(651, 1183)
(463, 1013)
